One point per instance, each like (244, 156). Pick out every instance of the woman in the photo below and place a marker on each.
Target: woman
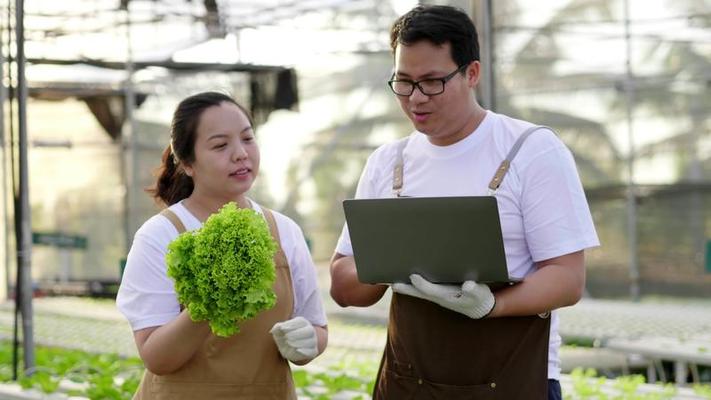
(213, 159)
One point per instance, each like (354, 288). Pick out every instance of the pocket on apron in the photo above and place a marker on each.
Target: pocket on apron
(398, 386)
(406, 387)
(433, 390)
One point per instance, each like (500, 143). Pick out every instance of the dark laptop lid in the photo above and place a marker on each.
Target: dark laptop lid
(444, 239)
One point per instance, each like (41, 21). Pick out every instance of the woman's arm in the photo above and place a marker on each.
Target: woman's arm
(167, 348)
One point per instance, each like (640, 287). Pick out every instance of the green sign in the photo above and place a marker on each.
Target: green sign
(708, 256)
(59, 239)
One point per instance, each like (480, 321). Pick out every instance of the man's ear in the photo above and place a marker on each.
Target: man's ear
(473, 73)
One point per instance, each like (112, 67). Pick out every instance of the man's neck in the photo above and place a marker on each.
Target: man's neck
(471, 123)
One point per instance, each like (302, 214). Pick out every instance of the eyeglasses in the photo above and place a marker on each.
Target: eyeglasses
(428, 87)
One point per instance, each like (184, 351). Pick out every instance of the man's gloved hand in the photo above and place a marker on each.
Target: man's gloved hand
(296, 339)
(472, 299)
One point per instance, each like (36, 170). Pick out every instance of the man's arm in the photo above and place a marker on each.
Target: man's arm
(346, 289)
(558, 282)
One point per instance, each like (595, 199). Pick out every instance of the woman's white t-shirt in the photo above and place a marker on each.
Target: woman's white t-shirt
(147, 296)
(542, 206)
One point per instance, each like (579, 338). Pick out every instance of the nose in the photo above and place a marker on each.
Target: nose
(417, 96)
(239, 153)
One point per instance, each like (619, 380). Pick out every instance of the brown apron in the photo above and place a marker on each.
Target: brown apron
(434, 353)
(246, 365)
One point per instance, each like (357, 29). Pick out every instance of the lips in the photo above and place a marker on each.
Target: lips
(240, 172)
(421, 116)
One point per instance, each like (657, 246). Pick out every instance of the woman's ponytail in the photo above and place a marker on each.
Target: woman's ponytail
(172, 184)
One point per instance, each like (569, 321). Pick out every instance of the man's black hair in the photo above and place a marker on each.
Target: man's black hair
(439, 25)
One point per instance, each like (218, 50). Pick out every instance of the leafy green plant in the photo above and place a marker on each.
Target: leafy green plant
(110, 377)
(587, 385)
(356, 378)
(224, 271)
(103, 387)
(628, 384)
(42, 380)
(99, 376)
(703, 390)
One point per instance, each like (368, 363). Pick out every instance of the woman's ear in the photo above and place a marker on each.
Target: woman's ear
(187, 169)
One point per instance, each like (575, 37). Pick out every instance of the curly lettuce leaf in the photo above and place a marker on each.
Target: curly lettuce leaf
(224, 271)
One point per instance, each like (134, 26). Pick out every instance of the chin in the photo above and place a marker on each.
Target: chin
(421, 128)
(240, 190)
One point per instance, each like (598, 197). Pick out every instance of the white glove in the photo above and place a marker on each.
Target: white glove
(296, 339)
(472, 299)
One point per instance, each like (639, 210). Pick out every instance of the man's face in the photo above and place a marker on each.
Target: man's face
(444, 117)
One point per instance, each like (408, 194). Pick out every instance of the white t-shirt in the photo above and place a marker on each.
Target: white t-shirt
(147, 295)
(542, 206)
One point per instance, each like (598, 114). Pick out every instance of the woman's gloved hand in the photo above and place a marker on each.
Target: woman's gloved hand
(475, 300)
(296, 339)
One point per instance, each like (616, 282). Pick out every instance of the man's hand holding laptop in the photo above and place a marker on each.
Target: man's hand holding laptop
(475, 300)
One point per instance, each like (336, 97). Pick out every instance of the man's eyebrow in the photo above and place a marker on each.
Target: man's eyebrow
(402, 74)
(429, 75)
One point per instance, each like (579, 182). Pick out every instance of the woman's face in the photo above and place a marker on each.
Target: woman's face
(226, 153)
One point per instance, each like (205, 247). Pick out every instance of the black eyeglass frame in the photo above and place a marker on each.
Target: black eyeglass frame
(414, 84)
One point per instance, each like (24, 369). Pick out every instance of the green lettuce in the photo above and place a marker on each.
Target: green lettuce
(224, 271)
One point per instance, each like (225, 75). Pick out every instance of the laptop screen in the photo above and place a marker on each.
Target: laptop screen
(444, 239)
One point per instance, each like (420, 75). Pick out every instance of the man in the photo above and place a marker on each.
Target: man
(447, 341)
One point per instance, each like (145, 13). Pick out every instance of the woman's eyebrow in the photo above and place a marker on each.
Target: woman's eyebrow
(217, 136)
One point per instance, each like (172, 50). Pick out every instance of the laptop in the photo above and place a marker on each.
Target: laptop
(444, 239)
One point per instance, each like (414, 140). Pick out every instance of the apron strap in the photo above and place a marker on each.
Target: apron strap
(178, 224)
(272, 224)
(504, 166)
(399, 166)
(279, 256)
(173, 218)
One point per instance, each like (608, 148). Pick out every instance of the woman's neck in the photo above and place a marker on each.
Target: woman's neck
(203, 206)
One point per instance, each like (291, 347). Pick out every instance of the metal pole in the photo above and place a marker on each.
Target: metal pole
(12, 93)
(130, 167)
(24, 256)
(3, 181)
(487, 88)
(631, 190)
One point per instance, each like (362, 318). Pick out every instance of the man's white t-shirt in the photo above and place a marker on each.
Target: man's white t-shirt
(542, 206)
(147, 295)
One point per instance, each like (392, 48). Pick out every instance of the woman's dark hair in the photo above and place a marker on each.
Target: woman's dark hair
(439, 25)
(173, 184)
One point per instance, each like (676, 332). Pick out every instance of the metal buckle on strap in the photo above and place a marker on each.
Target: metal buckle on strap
(499, 176)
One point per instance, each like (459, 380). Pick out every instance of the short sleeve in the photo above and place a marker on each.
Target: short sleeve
(307, 297)
(556, 216)
(146, 296)
(365, 190)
